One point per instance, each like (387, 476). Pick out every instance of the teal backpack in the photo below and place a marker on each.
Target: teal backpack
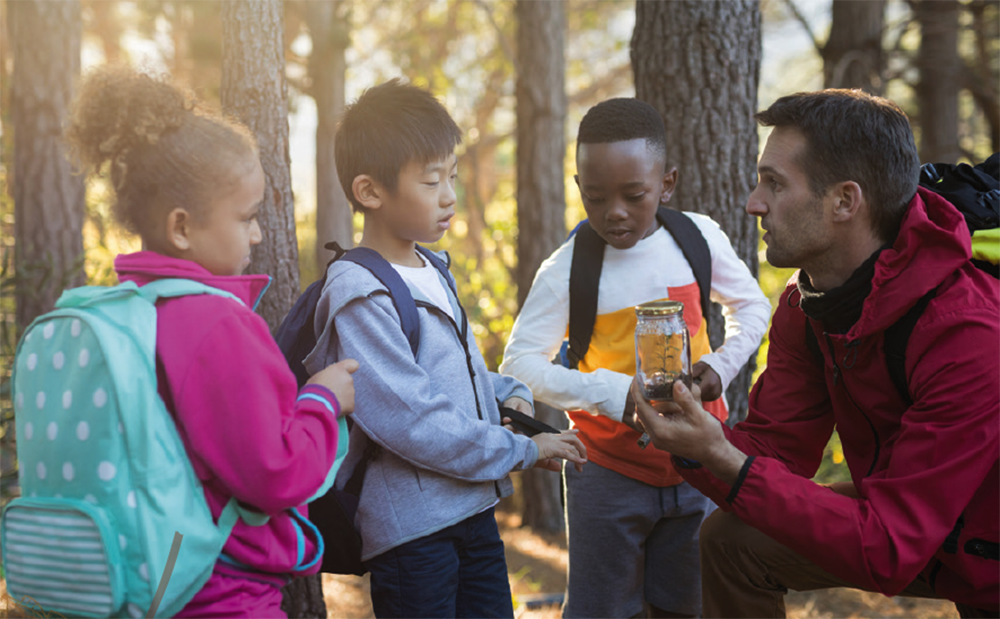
(112, 521)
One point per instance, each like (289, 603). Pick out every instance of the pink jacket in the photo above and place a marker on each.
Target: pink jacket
(918, 469)
(250, 433)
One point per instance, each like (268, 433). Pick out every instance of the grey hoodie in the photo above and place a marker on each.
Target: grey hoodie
(444, 456)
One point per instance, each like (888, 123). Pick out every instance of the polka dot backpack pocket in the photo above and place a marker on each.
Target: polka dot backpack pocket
(111, 520)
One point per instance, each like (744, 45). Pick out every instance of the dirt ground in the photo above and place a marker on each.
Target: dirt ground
(536, 565)
(537, 568)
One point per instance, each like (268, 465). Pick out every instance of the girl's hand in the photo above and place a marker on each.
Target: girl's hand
(565, 445)
(337, 378)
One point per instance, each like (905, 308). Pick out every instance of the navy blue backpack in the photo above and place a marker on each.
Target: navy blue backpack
(333, 513)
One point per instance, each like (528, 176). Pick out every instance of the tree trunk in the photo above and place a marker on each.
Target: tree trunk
(48, 195)
(255, 91)
(940, 80)
(698, 62)
(541, 199)
(327, 71)
(852, 56)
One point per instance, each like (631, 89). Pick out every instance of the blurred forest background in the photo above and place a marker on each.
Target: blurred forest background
(517, 75)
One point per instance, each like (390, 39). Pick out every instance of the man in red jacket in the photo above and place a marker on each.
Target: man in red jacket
(838, 199)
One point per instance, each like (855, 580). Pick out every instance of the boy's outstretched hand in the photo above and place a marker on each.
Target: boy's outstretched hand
(337, 378)
(685, 429)
(565, 445)
(708, 380)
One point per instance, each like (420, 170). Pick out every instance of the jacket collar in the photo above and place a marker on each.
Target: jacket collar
(147, 266)
(932, 244)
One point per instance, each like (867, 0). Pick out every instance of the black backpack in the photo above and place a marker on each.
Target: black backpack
(333, 513)
(975, 192)
(585, 276)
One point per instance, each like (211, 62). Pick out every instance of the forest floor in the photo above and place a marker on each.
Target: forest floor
(536, 564)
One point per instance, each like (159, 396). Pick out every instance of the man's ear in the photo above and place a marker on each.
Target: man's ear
(847, 200)
(367, 191)
(669, 184)
(178, 229)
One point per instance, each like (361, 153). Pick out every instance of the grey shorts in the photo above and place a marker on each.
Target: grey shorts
(631, 544)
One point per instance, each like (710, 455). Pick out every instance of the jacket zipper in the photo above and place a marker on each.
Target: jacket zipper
(461, 333)
(837, 374)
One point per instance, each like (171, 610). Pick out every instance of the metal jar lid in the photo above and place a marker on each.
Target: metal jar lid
(659, 308)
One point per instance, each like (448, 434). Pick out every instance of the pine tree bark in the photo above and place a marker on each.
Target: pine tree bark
(852, 56)
(541, 199)
(327, 71)
(698, 63)
(941, 72)
(255, 90)
(48, 193)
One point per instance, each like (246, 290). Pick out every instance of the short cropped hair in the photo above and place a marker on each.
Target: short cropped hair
(622, 119)
(389, 126)
(853, 136)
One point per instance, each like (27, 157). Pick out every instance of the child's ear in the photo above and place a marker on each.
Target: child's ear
(178, 230)
(367, 191)
(669, 183)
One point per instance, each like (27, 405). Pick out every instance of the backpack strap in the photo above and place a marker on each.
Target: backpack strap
(399, 292)
(896, 338)
(695, 249)
(584, 279)
(588, 260)
(170, 288)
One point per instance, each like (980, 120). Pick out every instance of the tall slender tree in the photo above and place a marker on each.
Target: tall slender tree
(941, 71)
(853, 55)
(327, 69)
(541, 198)
(255, 90)
(48, 194)
(698, 63)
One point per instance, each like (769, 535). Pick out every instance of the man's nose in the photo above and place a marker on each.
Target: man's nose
(755, 206)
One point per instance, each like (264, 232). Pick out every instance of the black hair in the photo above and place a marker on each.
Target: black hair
(389, 126)
(854, 136)
(622, 119)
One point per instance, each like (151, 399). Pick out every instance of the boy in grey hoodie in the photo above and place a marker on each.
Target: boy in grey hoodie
(429, 536)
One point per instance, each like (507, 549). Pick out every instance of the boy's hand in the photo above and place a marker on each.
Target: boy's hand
(337, 378)
(706, 378)
(565, 445)
(518, 404)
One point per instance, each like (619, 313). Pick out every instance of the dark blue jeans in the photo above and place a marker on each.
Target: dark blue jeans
(457, 572)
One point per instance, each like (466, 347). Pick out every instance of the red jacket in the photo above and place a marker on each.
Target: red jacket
(916, 468)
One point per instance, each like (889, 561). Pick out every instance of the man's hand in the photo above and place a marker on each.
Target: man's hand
(685, 429)
(708, 380)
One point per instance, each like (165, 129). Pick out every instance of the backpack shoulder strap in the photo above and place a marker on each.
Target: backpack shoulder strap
(695, 249)
(584, 280)
(168, 288)
(896, 338)
(402, 300)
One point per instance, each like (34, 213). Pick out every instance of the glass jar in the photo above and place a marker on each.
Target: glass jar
(662, 348)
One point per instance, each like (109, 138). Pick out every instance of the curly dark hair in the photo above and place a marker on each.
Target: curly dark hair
(159, 147)
(621, 119)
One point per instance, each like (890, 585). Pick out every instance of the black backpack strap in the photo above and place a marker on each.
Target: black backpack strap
(584, 279)
(402, 300)
(896, 338)
(695, 249)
